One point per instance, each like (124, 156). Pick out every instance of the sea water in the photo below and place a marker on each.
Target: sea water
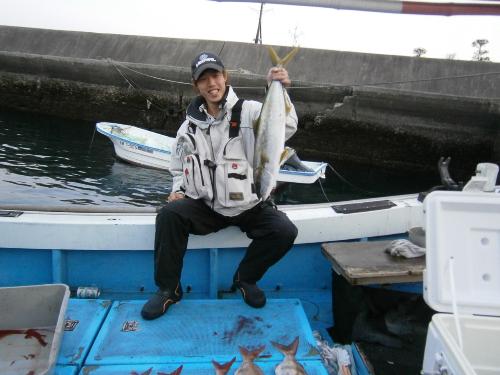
(52, 161)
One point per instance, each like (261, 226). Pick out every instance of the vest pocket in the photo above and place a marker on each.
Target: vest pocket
(236, 174)
(194, 180)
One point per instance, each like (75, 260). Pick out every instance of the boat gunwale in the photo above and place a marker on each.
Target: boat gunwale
(74, 209)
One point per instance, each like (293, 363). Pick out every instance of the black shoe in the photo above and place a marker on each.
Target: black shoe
(159, 303)
(252, 294)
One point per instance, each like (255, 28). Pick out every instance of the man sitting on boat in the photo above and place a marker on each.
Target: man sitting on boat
(213, 187)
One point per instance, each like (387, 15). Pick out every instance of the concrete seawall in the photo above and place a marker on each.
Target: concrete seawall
(437, 108)
(465, 78)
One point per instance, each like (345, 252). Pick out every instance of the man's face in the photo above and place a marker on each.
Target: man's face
(212, 85)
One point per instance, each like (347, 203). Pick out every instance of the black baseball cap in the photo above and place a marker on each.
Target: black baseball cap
(204, 61)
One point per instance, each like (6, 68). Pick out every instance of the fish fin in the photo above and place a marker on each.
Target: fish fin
(251, 354)
(224, 366)
(277, 61)
(294, 345)
(289, 56)
(285, 155)
(278, 346)
(178, 371)
(244, 351)
(287, 349)
(256, 125)
(288, 103)
(274, 56)
(257, 190)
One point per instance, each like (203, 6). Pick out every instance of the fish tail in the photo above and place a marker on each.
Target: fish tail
(178, 371)
(288, 103)
(285, 154)
(287, 349)
(224, 367)
(277, 61)
(251, 354)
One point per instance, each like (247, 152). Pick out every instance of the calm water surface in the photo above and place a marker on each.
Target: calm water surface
(48, 161)
(51, 161)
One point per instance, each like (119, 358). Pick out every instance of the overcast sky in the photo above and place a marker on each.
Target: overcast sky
(323, 28)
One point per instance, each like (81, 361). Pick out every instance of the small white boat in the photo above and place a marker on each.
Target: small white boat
(153, 150)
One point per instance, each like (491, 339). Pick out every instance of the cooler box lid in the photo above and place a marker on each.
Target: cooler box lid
(463, 240)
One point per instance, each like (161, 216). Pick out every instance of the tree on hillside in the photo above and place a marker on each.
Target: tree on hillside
(419, 52)
(480, 54)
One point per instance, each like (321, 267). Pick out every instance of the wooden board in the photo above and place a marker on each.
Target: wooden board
(363, 263)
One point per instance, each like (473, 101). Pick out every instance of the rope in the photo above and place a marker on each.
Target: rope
(172, 81)
(427, 79)
(114, 63)
(149, 100)
(322, 190)
(350, 184)
(367, 192)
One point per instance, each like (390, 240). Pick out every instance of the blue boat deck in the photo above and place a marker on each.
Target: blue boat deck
(104, 337)
(125, 276)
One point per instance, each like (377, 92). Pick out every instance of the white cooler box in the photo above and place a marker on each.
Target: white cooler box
(463, 275)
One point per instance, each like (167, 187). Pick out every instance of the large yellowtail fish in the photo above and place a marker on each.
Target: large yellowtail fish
(270, 132)
(248, 367)
(223, 369)
(289, 365)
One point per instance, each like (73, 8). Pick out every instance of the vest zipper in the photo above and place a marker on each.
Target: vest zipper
(212, 166)
(199, 165)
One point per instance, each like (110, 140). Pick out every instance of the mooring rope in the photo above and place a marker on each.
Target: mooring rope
(149, 100)
(320, 86)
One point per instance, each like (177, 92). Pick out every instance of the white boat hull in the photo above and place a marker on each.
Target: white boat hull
(140, 155)
(316, 223)
(112, 251)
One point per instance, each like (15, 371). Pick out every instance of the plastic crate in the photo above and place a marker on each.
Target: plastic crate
(31, 326)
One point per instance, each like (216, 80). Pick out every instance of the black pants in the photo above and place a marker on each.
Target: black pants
(271, 231)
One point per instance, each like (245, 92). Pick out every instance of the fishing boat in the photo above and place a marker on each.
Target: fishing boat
(149, 149)
(106, 253)
(105, 257)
